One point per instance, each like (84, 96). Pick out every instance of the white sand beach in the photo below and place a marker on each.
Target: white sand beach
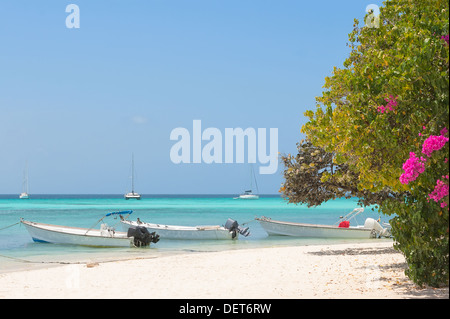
(363, 270)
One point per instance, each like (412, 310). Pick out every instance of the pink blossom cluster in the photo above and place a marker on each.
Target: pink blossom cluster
(445, 38)
(392, 102)
(413, 167)
(434, 143)
(440, 191)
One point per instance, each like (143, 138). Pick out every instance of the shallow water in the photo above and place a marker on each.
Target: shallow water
(18, 251)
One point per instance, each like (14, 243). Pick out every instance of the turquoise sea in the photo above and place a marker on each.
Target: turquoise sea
(18, 251)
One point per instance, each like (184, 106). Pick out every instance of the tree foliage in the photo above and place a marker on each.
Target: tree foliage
(391, 96)
(312, 177)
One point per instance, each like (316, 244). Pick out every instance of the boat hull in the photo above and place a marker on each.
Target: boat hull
(248, 197)
(279, 228)
(185, 232)
(132, 196)
(55, 234)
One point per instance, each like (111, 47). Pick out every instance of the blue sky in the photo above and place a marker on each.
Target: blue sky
(76, 103)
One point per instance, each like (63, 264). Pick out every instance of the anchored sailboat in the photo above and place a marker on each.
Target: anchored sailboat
(24, 194)
(132, 194)
(248, 194)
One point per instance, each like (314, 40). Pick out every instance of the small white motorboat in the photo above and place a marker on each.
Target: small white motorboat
(104, 237)
(371, 228)
(231, 230)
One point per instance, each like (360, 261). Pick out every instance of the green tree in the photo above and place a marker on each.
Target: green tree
(312, 177)
(391, 95)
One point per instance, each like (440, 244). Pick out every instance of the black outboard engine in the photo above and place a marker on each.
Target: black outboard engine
(142, 237)
(234, 227)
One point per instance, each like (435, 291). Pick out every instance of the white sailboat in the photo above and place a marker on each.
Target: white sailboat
(24, 194)
(132, 194)
(248, 194)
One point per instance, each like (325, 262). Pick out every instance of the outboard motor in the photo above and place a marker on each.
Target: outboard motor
(377, 229)
(142, 237)
(234, 227)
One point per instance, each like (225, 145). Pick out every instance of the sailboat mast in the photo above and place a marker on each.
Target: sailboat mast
(132, 173)
(251, 177)
(256, 183)
(25, 179)
(132, 194)
(26, 168)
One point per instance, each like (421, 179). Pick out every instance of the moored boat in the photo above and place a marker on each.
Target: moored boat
(247, 195)
(371, 228)
(132, 194)
(104, 237)
(231, 230)
(24, 194)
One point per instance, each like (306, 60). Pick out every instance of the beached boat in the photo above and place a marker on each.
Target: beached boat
(104, 237)
(231, 230)
(341, 229)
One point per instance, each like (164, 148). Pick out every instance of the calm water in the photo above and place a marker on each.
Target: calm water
(18, 251)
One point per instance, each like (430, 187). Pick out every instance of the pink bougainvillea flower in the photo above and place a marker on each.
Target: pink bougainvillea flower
(413, 167)
(433, 143)
(392, 102)
(445, 38)
(439, 192)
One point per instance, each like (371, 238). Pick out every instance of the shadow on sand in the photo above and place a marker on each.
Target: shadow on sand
(403, 286)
